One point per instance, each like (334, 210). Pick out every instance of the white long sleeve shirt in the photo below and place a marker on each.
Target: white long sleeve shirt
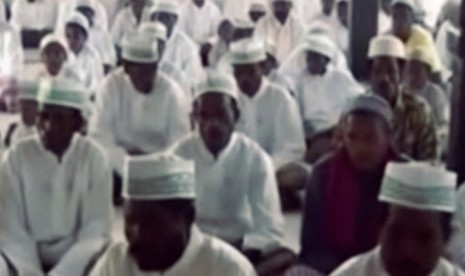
(125, 22)
(102, 42)
(237, 196)
(272, 119)
(55, 213)
(203, 256)
(39, 15)
(125, 119)
(200, 23)
(66, 7)
(89, 66)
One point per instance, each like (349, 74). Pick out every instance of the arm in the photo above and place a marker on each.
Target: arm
(178, 125)
(96, 218)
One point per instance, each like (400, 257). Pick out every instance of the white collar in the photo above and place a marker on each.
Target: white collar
(66, 155)
(205, 153)
(261, 91)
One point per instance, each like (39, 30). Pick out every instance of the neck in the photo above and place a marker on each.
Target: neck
(253, 89)
(199, 3)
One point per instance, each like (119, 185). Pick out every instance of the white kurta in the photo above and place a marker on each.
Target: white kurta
(102, 42)
(203, 256)
(39, 15)
(21, 132)
(89, 67)
(57, 213)
(286, 37)
(237, 196)
(126, 120)
(200, 24)
(176, 75)
(11, 50)
(272, 119)
(370, 264)
(66, 7)
(184, 54)
(125, 22)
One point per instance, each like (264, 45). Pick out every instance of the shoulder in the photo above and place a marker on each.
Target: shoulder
(168, 85)
(115, 255)
(278, 91)
(360, 265)
(445, 267)
(416, 104)
(184, 147)
(90, 148)
(112, 78)
(252, 148)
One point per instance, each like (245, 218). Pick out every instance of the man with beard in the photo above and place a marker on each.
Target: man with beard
(421, 199)
(414, 127)
(161, 237)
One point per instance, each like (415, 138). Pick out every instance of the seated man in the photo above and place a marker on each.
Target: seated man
(139, 110)
(414, 127)
(237, 196)
(56, 189)
(161, 237)
(257, 10)
(342, 217)
(421, 199)
(262, 106)
(199, 19)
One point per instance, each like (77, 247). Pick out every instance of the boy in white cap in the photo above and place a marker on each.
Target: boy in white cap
(231, 169)
(414, 128)
(87, 63)
(98, 37)
(180, 49)
(138, 110)
(199, 19)
(421, 199)
(283, 27)
(56, 199)
(262, 106)
(161, 237)
(67, 7)
(257, 10)
(321, 89)
(11, 50)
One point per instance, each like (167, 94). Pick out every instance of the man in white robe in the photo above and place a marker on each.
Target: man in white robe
(258, 9)
(161, 237)
(326, 15)
(138, 110)
(56, 189)
(421, 199)
(199, 19)
(180, 49)
(129, 19)
(66, 8)
(11, 50)
(283, 27)
(87, 63)
(231, 170)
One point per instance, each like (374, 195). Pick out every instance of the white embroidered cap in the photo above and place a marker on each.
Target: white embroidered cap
(63, 92)
(215, 81)
(156, 30)
(321, 44)
(140, 48)
(386, 45)
(247, 51)
(80, 20)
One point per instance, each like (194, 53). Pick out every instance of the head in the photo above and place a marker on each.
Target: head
(57, 125)
(385, 77)
(156, 244)
(226, 30)
(385, 6)
(248, 76)
(76, 36)
(417, 74)
(282, 9)
(412, 241)
(166, 18)
(142, 75)
(54, 55)
(88, 12)
(29, 111)
(317, 63)
(216, 115)
(366, 137)
(343, 12)
(269, 64)
(327, 7)
(199, 3)
(256, 15)
(403, 18)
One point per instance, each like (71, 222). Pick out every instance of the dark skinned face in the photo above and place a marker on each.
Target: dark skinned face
(53, 56)
(386, 6)
(343, 13)
(157, 233)
(199, 3)
(226, 31)
(256, 15)
(385, 78)
(248, 77)
(167, 19)
(76, 37)
(142, 75)
(216, 118)
(281, 10)
(402, 21)
(138, 6)
(29, 112)
(411, 242)
(327, 7)
(316, 63)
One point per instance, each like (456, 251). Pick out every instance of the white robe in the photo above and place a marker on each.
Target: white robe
(89, 67)
(203, 256)
(2, 11)
(200, 24)
(237, 196)
(66, 7)
(286, 37)
(21, 132)
(370, 264)
(38, 15)
(125, 22)
(456, 247)
(272, 119)
(235, 8)
(11, 50)
(125, 119)
(102, 42)
(173, 72)
(56, 213)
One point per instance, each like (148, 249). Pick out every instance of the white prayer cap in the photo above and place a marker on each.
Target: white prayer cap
(258, 5)
(28, 89)
(242, 23)
(419, 186)
(85, 3)
(421, 54)
(156, 30)
(161, 176)
(247, 51)
(63, 92)
(321, 44)
(137, 47)
(168, 6)
(216, 81)
(386, 45)
(409, 3)
(372, 103)
(54, 38)
(79, 19)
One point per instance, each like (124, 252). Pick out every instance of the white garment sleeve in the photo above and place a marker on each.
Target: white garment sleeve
(95, 221)
(16, 242)
(289, 139)
(117, 28)
(178, 125)
(101, 126)
(16, 18)
(268, 223)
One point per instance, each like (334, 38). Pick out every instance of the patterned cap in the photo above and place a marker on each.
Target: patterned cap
(321, 44)
(165, 6)
(386, 45)
(63, 92)
(247, 51)
(215, 81)
(28, 89)
(370, 102)
(161, 176)
(137, 47)
(155, 30)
